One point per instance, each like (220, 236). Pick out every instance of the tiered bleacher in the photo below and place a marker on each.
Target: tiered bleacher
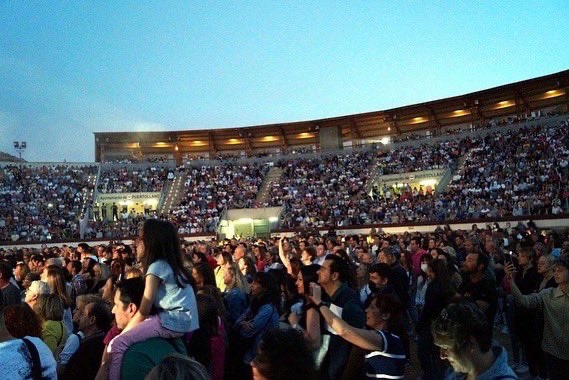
(129, 180)
(210, 189)
(43, 203)
(509, 172)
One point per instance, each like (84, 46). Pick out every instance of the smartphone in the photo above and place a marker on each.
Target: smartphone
(508, 257)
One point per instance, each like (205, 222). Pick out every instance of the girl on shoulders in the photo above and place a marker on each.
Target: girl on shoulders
(168, 287)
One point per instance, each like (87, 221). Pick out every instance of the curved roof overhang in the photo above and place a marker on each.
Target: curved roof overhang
(511, 99)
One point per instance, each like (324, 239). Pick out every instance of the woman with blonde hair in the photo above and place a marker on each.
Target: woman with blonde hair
(57, 285)
(236, 290)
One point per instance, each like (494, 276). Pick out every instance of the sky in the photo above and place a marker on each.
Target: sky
(71, 68)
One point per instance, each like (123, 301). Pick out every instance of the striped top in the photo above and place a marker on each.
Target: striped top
(388, 363)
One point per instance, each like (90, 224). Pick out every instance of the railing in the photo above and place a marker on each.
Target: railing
(222, 217)
(165, 190)
(445, 180)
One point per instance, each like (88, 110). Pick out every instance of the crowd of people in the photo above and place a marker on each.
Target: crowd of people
(310, 306)
(504, 173)
(211, 189)
(38, 203)
(424, 157)
(315, 191)
(127, 180)
(528, 175)
(514, 173)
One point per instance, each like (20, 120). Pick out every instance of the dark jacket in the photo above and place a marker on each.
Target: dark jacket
(339, 349)
(86, 361)
(400, 281)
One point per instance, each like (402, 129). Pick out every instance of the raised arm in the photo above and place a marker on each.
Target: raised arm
(366, 339)
(312, 332)
(533, 300)
(284, 259)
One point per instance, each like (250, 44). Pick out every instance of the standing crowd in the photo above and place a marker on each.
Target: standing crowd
(308, 306)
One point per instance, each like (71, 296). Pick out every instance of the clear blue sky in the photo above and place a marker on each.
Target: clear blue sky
(68, 69)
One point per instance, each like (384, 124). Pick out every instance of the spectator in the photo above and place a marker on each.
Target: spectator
(283, 354)
(398, 277)
(527, 280)
(333, 278)
(261, 315)
(10, 292)
(223, 260)
(554, 302)
(304, 315)
(203, 275)
(168, 288)
(464, 337)
(49, 309)
(178, 367)
(101, 275)
(478, 286)
(74, 339)
(385, 340)
(20, 273)
(22, 321)
(78, 284)
(95, 321)
(143, 356)
(236, 291)
(207, 344)
(248, 268)
(439, 293)
(16, 354)
(36, 289)
(57, 285)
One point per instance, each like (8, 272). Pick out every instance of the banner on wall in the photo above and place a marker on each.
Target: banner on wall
(124, 197)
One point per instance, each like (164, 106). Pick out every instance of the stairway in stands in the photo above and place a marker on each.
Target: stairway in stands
(274, 175)
(172, 193)
(458, 168)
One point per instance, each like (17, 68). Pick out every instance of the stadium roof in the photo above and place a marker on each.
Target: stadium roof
(511, 99)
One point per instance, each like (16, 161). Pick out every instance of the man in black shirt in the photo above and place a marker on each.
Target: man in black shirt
(10, 292)
(94, 323)
(398, 278)
(477, 285)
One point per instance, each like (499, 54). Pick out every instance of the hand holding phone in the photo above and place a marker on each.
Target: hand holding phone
(510, 270)
(315, 293)
(508, 258)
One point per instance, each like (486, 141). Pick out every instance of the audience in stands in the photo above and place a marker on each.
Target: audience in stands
(126, 180)
(40, 203)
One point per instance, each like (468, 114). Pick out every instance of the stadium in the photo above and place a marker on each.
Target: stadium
(266, 191)
(256, 180)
